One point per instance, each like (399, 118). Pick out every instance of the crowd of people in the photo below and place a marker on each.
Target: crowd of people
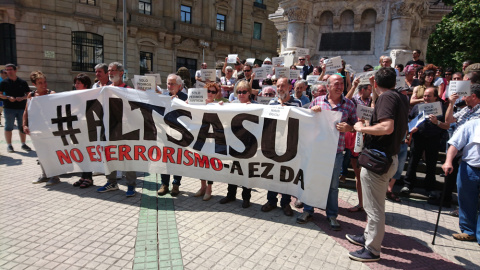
(387, 132)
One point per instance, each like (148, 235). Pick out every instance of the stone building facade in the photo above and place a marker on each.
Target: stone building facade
(358, 30)
(65, 37)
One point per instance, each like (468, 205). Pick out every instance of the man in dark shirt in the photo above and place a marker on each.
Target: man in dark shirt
(14, 91)
(416, 58)
(385, 133)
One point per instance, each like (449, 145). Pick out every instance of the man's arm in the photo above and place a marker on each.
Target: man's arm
(352, 89)
(385, 127)
(449, 113)
(447, 167)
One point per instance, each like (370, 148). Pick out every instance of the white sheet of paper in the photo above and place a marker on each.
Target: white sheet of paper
(364, 112)
(350, 69)
(400, 82)
(282, 72)
(462, 88)
(294, 74)
(232, 58)
(276, 112)
(260, 73)
(264, 100)
(302, 52)
(434, 108)
(208, 74)
(365, 76)
(278, 61)
(416, 121)
(158, 79)
(268, 69)
(197, 95)
(334, 63)
(250, 60)
(312, 79)
(288, 60)
(145, 83)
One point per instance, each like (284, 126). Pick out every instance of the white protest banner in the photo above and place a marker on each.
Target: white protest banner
(333, 64)
(232, 58)
(416, 121)
(400, 82)
(364, 112)
(302, 51)
(294, 74)
(462, 88)
(208, 74)
(113, 128)
(282, 72)
(365, 76)
(197, 95)
(260, 73)
(268, 69)
(264, 100)
(144, 83)
(250, 61)
(312, 79)
(276, 112)
(434, 108)
(278, 61)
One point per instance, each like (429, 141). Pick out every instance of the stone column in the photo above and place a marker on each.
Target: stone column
(401, 28)
(296, 26)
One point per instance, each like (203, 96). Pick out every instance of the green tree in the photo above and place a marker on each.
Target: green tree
(457, 36)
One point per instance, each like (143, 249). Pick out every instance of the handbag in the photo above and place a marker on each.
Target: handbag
(374, 160)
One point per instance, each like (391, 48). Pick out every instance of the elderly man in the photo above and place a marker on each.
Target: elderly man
(318, 90)
(386, 62)
(468, 179)
(198, 74)
(426, 138)
(306, 69)
(333, 101)
(14, 91)
(174, 86)
(300, 88)
(416, 59)
(385, 133)
(284, 99)
(115, 74)
(101, 72)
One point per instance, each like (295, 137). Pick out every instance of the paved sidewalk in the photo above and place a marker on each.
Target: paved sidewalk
(64, 227)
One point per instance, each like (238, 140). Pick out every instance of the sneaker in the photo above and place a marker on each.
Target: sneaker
(175, 190)
(405, 190)
(267, 207)
(10, 149)
(107, 187)
(363, 255)
(41, 179)
(163, 190)
(130, 191)
(358, 240)
(334, 225)
(54, 180)
(304, 218)
(287, 210)
(26, 148)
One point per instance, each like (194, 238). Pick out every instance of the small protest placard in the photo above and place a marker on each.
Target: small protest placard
(232, 58)
(264, 100)
(260, 73)
(250, 60)
(276, 112)
(208, 74)
(288, 58)
(282, 72)
(145, 83)
(364, 112)
(434, 108)
(462, 88)
(416, 121)
(312, 79)
(268, 69)
(400, 82)
(278, 61)
(158, 79)
(302, 51)
(333, 64)
(197, 95)
(350, 70)
(294, 74)
(365, 76)
(320, 83)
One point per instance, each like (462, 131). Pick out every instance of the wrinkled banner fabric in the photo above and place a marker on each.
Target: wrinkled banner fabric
(110, 128)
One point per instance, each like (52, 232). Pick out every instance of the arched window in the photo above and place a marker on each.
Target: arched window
(87, 51)
(346, 20)
(369, 17)
(8, 46)
(326, 19)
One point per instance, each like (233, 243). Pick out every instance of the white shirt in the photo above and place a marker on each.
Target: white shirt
(468, 138)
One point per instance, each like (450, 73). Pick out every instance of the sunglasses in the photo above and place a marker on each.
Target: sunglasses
(244, 92)
(212, 92)
(269, 94)
(247, 70)
(301, 59)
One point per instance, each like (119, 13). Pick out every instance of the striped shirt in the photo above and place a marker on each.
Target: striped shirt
(467, 114)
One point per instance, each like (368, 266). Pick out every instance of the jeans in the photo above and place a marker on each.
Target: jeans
(10, 116)
(468, 183)
(402, 158)
(346, 162)
(332, 201)
(272, 199)
(166, 179)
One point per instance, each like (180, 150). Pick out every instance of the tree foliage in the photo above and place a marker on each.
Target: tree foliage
(457, 36)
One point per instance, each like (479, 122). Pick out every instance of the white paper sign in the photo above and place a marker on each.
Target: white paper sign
(312, 79)
(365, 76)
(276, 112)
(232, 58)
(294, 74)
(278, 61)
(282, 72)
(434, 108)
(302, 52)
(400, 82)
(260, 73)
(364, 112)
(462, 88)
(158, 79)
(350, 69)
(264, 100)
(197, 95)
(208, 74)
(333, 64)
(250, 60)
(288, 58)
(268, 69)
(145, 83)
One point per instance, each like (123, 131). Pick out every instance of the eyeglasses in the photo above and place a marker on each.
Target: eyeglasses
(242, 92)
(212, 92)
(269, 94)
(301, 59)
(247, 70)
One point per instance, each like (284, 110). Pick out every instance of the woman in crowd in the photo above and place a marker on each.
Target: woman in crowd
(228, 82)
(426, 80)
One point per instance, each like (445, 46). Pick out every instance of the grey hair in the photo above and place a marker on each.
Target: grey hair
(102, 66)
(118, 65)
(301, 81)
(178, 79)
(229, 68)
